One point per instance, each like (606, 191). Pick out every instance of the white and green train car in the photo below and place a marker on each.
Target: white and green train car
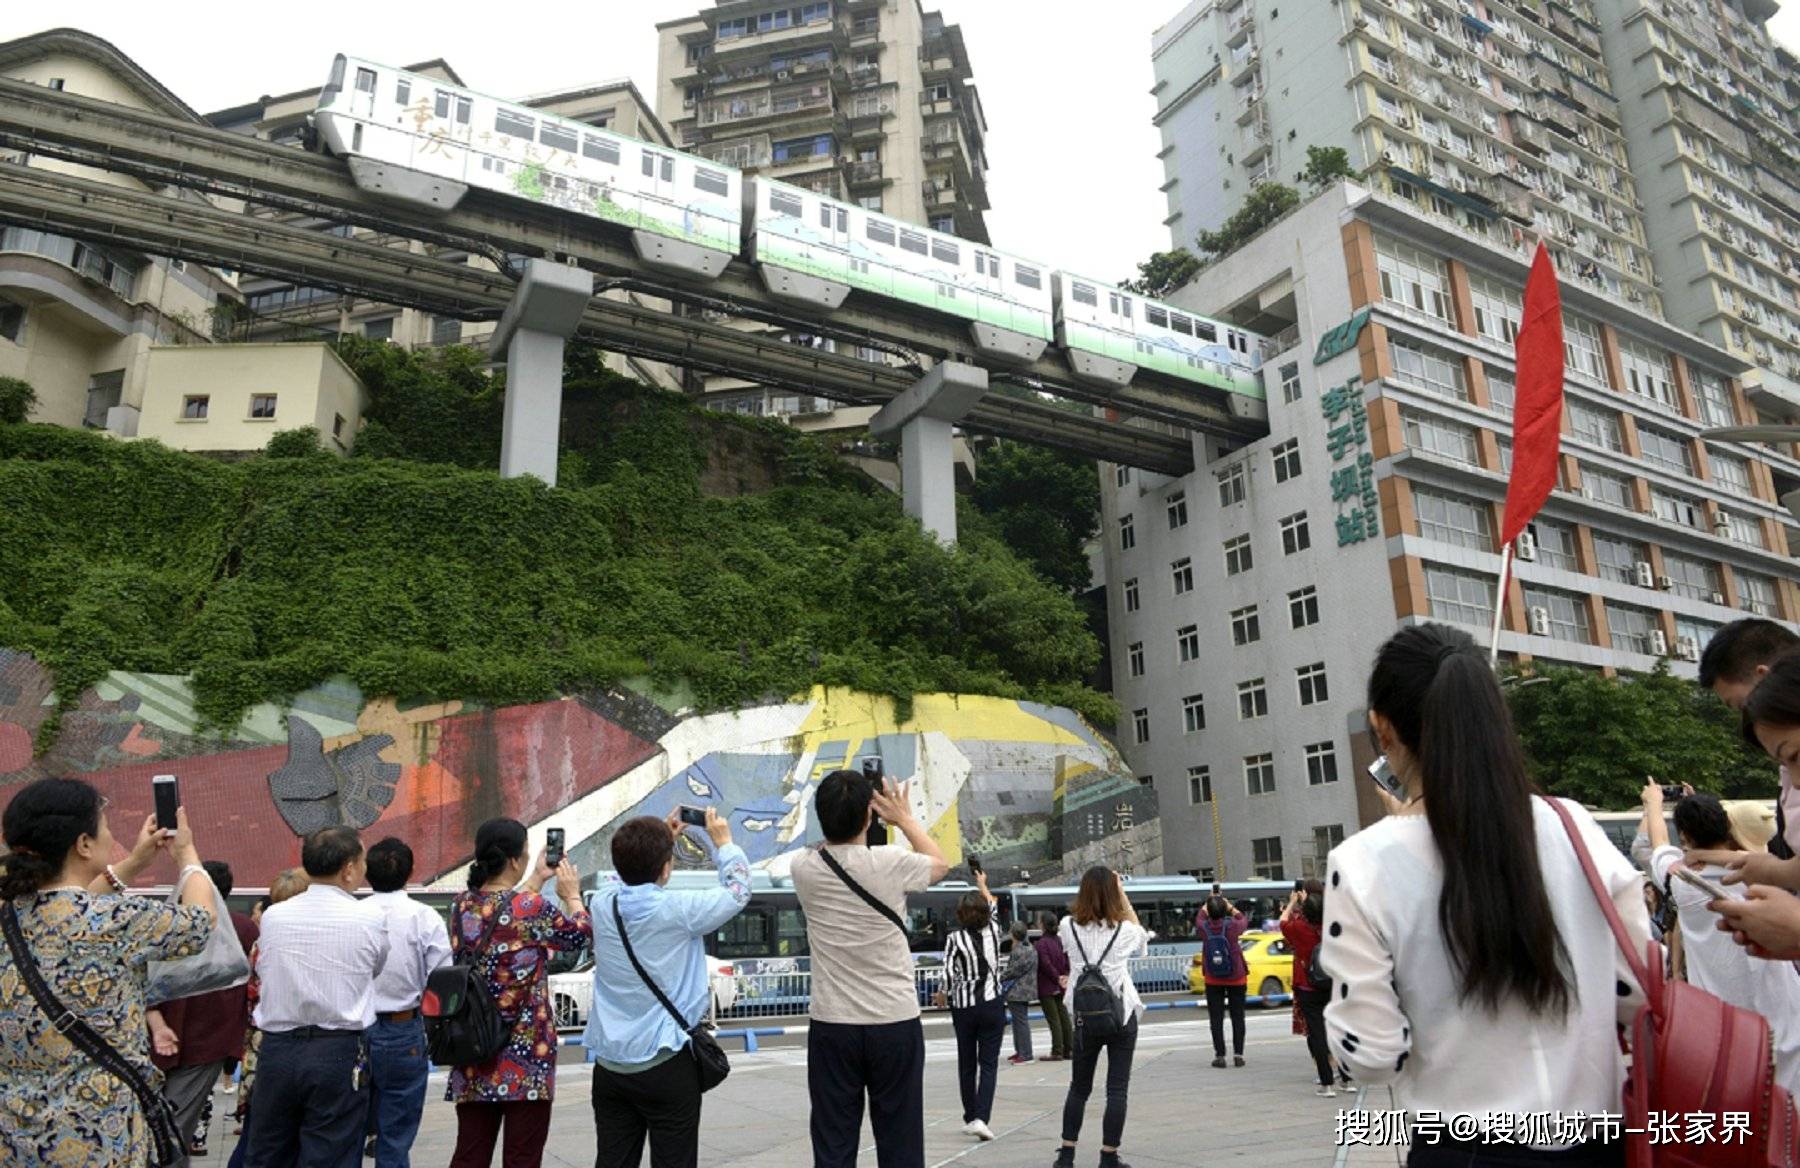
(424, 141)
(813, 250)
(1109, 334)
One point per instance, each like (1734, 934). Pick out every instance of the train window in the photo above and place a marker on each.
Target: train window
(914, 242)
(783, 203)
(1120, 305)
(1183, 325)
(1156, 316)
(444, 102)
(1205, 332)
(600, 149)
(825, 216)
(879, 232)
(558, 137)
(402, 91)
(1027, 276)
(987, 265)
(1084, 294)
(515, 125)
(465, 107)
(365, 81)
(711, 181)
(827, 211)
(948, 253)
(651, 158)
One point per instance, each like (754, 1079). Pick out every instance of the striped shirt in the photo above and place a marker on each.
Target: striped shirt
(317, 959)
(972, 966)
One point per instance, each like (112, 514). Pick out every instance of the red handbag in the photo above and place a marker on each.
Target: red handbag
(1693, 1053)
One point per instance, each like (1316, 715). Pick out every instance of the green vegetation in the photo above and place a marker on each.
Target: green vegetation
(1325, 165)
(1045, 504)
(299, 443)
(1163, 273)
(416, 571)
(1595, 739)
(16, 399)
(1267, 203)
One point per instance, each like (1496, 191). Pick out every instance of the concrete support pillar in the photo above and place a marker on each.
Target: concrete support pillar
(544, 313)
(925, 417)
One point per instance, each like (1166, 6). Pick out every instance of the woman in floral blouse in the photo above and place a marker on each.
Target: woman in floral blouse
(516, 1087)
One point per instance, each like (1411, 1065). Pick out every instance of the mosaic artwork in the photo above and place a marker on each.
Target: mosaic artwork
(1032, 789)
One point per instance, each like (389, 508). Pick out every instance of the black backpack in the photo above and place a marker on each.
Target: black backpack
(463, 1027)
(1099, 1010)
(1315, 970)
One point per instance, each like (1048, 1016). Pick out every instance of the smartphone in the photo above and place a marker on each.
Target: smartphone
(1703, 884)
(875, 772)
(167, 800)
(1673, 794)
(1299, 886)
(553, 848)
(692, 816)
(975, 865)
(1384, 777)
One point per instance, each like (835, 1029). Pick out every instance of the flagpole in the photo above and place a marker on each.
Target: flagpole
(1499, 607)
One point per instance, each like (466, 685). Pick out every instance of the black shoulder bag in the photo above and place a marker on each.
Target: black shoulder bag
(709, 1056)
(159, 1116)
(874, 903)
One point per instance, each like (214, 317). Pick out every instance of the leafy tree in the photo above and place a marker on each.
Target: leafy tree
(1162, 273)
(1044, 504)
(302, 442)
(1325, 165)
(1267, 203)
(429, 405)
(16, 399)
(1595, 739)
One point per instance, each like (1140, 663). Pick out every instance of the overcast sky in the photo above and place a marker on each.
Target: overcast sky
(1073, 172)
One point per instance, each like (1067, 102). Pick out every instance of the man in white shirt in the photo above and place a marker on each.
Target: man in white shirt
(418, 943)
(317, 959)
(865, 1037)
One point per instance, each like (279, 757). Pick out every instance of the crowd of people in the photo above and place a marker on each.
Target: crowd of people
(1461, 950)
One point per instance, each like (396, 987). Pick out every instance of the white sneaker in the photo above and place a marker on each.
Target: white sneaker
(1326, 1093)
(979, 1130)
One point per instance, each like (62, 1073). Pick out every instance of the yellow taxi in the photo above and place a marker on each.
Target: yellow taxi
(1269, 959)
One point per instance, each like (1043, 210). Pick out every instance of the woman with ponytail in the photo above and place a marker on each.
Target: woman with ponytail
(92, 946)
(511, 931)
(1474, 971)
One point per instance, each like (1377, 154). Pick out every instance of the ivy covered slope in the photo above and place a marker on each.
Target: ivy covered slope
(732, 558)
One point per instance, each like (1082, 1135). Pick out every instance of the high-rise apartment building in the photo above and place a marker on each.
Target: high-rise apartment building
(1708, 101)
(867, 101)
(1246, 599)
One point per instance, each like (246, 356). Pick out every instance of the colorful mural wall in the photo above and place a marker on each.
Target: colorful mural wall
(1032, 789)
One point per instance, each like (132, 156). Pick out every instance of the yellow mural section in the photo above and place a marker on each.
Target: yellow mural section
(844, 713)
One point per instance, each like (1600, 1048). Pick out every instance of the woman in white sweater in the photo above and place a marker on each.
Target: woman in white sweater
(1474, 969)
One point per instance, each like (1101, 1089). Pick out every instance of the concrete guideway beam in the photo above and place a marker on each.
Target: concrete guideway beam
(925, 417)
(544, 313)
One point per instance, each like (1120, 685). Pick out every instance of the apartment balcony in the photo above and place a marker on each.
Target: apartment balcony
(864, 75)
(810, 104)
(1239, 25)
(940, 195)
(818, 34)
(867, 173)
(1527, 134)
(943, 55)
(741, 154)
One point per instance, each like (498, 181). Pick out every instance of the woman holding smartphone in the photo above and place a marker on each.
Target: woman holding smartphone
(1474, 969)
(1102, 931)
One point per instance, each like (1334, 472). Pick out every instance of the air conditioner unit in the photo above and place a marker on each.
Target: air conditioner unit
(1664, 583)
(1525, 547)
(1659, 643)
(1540, 622)
(1687, 648)
(1718, 598)
(1643, 575)
(1722, 524)
(781, 74)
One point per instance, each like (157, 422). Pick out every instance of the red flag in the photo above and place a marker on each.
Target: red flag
(1538, 400)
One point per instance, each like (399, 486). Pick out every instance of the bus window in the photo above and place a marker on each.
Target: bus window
(745, 935)
(790, 933)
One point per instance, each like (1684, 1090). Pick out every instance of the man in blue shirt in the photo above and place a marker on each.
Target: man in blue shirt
(646, 1081)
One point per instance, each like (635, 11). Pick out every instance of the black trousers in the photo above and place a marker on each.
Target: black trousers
(1220, 998)
(1119, 1051)
(310, 1108)
(1312, 1008)
(662, 1103)
(1446, 1154)
(978, 1033)
(887, 1064)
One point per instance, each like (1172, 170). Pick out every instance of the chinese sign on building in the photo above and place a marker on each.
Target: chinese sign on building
(1352, 464)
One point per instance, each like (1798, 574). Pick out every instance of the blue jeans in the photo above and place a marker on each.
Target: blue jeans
(398, 1068)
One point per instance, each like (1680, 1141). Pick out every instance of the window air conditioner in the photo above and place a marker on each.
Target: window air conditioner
(1664, 583)
(1540, 622)
(1722, 525)
(1642, 573)
(1688, 649)
(1718, 598)
(1525, 547)
(1659, 643)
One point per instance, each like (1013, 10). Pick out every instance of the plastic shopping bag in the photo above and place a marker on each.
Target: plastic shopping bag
(221, 965)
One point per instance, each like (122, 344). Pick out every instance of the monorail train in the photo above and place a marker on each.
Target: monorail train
(424, 141)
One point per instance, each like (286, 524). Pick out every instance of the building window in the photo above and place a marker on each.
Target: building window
(1246, 626)
(193, 407)
(1131, 595)
(1414, 279)
(1673, 508)
(1199, 785)
(1581, 347)
(1696, 632)
(1182, 573)
(1140, 726)
(1454, 519)
(1237, 555)
(1290, 383)
(1259, 774)
(1187, 643)
(262, 405)
(1743, 530)
(1441, 437)
(1618, 559)
(1313, 689)
(1567, 614)
(1713, 397)
(1439, 374)
(12, 321)
(1756, 594)
(445, 330)
(1596, 426)
(1295, 535)
(1253, 699)
(337, 426)
(1555, 545)
(1231, 485)
(1266, 857)
(1121, 475)
(1287, 460)
(1303, 607)
(1462, 597)
(1127, 534)
(1497, 308)
(1177, 510)
(379, 329)
(1664, 449)
(1694, 579)
(1603, 486)
(1134, 658)
(1648, 373)
(1501, 392)
(1325, 837)
(1731, 472)
(1321, 764)
(1193, 713)
(1631, 628)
